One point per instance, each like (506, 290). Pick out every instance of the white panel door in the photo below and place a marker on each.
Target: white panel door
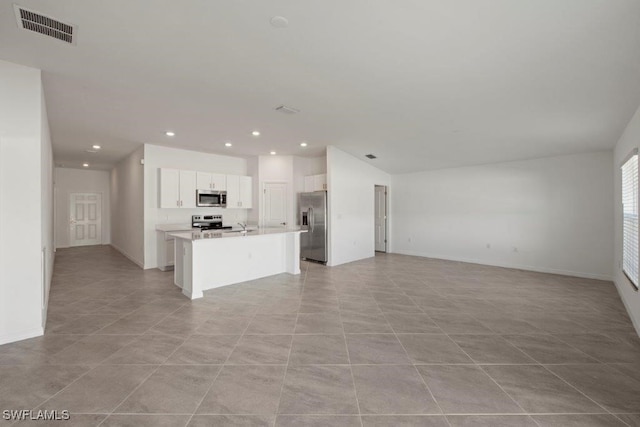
(381, 218)
(169, 188)
(274, 213)
(187, 189)
(85, 219)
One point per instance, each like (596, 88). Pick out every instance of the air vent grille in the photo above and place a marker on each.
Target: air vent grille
(45, 25)
(287, 110)
(370, 156)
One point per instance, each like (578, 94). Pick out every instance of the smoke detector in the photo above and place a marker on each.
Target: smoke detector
(45, 25)
(287, 110)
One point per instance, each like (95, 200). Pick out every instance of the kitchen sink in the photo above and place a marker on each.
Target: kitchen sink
(239, 231)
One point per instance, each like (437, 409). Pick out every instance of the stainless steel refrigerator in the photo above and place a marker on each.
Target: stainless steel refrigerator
(313, 218)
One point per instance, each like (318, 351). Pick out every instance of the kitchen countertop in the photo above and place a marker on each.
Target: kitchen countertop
(215, 234)
(174, 227)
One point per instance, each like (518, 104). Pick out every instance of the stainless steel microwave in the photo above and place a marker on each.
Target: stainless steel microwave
(211, 198)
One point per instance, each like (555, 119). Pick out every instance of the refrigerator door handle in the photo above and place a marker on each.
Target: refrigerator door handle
(311, 219)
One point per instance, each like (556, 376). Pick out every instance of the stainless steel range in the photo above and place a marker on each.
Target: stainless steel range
(208, 222)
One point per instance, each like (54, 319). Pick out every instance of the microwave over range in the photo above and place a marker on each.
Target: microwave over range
(211, 198)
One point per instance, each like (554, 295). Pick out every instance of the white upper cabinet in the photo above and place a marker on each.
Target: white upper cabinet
(169, 188)
(211, 181)
(239, 192)
(315, 182)
(187, 189)
(177, 189)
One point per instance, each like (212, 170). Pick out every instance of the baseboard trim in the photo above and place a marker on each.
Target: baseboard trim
(126, 255)
(513, 266)
(22, 335)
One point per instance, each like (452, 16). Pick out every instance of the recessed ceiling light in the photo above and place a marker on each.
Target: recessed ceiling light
(170, 133)
(86, 165)
(96, 147)
(228, 144)
(255, 133)
(303, 144)
(273, 153)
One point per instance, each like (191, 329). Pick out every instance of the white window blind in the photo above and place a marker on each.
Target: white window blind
(630, 253)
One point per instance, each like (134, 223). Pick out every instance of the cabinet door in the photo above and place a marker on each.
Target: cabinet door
(203, 181)
(218, 181)
(233, 191)
(169, 188)
(308, 183)
(187, 189)
(319, 182)
(246, 194)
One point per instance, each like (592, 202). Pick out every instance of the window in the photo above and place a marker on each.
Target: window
(630, 253)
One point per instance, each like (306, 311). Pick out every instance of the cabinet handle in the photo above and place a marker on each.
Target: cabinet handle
(213, 185)
(177, 202)
(180, 202)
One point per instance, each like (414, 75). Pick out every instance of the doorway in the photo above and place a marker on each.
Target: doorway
(85, 219)
(381, 218)
(274, 206)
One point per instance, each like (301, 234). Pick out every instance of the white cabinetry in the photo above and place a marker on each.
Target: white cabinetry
(315, 182)
(239, 192)
(211, 181)
(177, 188)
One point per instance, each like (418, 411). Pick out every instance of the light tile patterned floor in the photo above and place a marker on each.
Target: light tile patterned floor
(390, 341)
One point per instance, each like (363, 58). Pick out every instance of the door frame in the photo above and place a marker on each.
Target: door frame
(287, 202)
(70, 198)
(386, 216)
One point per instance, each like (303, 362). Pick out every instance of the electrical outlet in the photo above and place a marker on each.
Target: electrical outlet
(488, 245)
(514, 249)
(409, 240)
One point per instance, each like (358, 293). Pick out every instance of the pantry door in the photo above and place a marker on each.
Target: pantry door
(274, 213)
(85, 219)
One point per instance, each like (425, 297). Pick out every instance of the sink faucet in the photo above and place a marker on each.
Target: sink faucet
(244, 226)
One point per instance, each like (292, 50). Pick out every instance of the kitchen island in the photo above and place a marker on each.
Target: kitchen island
(210, 259)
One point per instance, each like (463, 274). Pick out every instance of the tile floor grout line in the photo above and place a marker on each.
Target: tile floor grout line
(353, 380)
(424, 382)
(286, 369)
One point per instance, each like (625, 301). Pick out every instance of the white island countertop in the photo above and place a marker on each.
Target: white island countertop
(213, 258)
(224, 234)
(174, 227)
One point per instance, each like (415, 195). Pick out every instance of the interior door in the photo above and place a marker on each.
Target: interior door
(381, 218)
(274, 213)
(85, 219)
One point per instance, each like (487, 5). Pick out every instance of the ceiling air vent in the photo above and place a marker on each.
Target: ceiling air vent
(287, 110)
(36, 22)
(370, 156)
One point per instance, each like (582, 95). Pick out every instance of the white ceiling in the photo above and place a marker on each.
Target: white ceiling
(422, 84)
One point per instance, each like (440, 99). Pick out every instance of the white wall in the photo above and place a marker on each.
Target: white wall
(25, 181)
(630, 139)
(351, 183)
(156, 157)
(127, 207)
(47, 206)
(68, 181)
(556, 212)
